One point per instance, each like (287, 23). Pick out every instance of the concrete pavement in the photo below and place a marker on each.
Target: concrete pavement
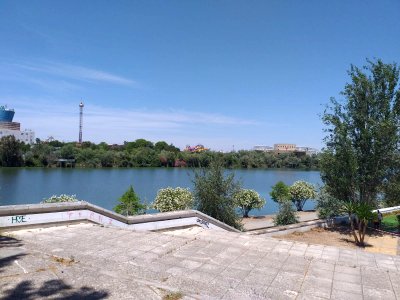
(93, 262)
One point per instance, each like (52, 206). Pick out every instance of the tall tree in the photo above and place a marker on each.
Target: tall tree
(362, 134)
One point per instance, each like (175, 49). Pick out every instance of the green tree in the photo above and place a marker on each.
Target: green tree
(247, 200)
(300, 192)
(68, 151)
(362, 133)
(213, 192)
(171, 199)
(129, 204)
(280, 192)
(10, 152)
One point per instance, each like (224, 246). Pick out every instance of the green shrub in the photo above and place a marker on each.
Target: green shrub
(286, 214)
(327, 206)
(130, 204)
(213, 192)
(280, 192)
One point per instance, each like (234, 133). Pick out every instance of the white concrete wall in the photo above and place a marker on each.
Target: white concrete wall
(82, 215)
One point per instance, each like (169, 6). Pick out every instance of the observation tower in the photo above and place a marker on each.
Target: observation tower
(81, 105)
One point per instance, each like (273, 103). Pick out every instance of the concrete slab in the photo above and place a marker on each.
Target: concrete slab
(89, 261)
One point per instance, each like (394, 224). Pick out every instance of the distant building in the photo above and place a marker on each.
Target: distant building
(287, 148)
(307, 150)
(284, 147)
(263, 148)
(8, 127)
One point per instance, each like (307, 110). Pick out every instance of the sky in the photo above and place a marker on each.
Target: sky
(226, 74)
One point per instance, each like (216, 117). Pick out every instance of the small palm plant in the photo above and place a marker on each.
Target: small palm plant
(359, 216)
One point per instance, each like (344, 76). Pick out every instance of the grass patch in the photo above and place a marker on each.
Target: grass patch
(390, 223)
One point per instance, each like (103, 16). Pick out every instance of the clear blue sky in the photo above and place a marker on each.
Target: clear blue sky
(219, 73)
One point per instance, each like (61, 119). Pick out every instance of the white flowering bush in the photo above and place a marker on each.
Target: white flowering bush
(247, 200)
(60, 198)
(300, 192)
(171, 199)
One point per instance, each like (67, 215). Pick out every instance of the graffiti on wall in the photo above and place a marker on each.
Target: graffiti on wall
(202, 222)
(18, 219)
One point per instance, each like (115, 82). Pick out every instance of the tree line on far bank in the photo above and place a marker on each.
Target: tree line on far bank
(139, 153)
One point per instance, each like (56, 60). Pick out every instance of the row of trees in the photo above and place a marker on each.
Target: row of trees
(140, 153)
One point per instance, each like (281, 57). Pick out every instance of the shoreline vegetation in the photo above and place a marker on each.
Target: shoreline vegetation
(141, 153)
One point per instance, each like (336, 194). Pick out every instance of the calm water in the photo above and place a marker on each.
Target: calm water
(104, 186)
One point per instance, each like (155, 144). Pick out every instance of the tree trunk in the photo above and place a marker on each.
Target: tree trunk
(362, 232)
(353, 231)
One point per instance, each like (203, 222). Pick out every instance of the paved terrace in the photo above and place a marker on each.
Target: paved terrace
(93, 262)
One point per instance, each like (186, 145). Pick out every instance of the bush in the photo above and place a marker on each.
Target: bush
(280, 192)
(248, 200)
(129, 204)
(170, 199)
(327, 205)
(61, 198)
(214, 192)
(286, 214)
(300, 192)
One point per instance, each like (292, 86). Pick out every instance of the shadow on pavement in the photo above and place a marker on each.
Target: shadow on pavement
(56, 289)
(6, 241)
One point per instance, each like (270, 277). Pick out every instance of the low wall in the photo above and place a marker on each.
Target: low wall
(388, 210)
(14, 216)
(287, 229)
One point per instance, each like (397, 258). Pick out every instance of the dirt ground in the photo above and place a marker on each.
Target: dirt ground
(342, 237)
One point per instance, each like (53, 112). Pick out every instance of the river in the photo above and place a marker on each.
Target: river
(103, 187)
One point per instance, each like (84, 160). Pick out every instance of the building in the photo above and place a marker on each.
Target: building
(280, 148)
(8, 127)
(263, 148)
(287, 148)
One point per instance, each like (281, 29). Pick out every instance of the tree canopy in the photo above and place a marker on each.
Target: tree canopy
(362, 133)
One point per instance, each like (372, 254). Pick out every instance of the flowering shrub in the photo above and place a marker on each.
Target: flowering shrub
(248, 200)
(61, 198)
(170, 199)
(300, 192)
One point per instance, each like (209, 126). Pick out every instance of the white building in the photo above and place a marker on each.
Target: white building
(263, 148)
(27, 136)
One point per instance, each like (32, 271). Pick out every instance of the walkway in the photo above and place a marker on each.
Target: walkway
(254, 223)
(93, 262)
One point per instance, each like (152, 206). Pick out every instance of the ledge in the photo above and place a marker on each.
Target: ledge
(32, 209)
